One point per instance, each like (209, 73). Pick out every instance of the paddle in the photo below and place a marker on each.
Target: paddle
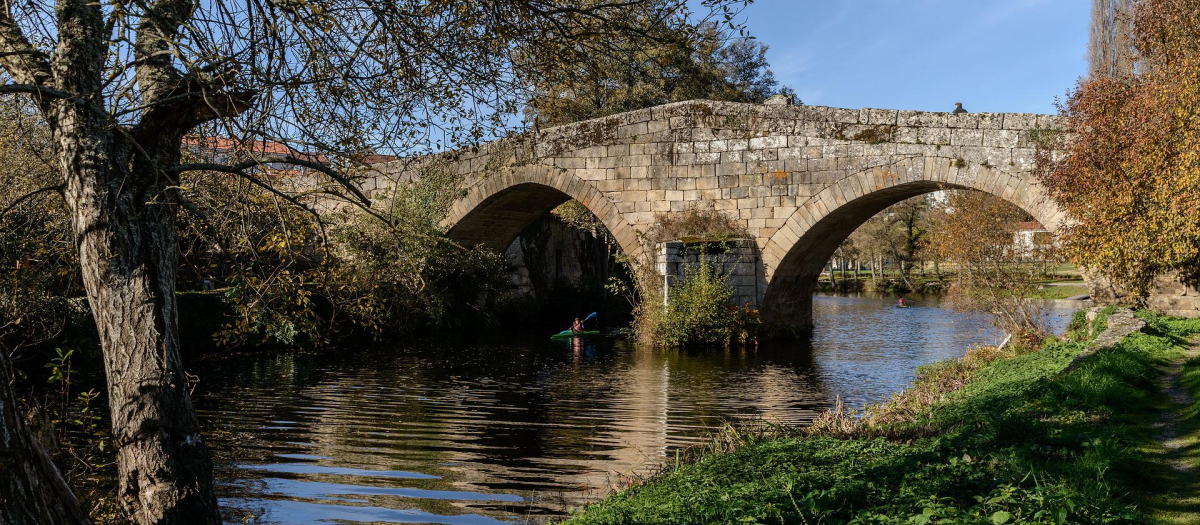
(585, 319)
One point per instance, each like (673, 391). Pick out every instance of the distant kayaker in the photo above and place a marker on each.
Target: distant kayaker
(902, 304)
(577, 326)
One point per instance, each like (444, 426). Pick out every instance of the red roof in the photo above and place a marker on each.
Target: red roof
(263, 148)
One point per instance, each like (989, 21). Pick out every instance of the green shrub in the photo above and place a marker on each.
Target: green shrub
(698, 309)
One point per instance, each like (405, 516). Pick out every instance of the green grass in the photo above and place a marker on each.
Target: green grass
(1059, 292)
(1018, 444)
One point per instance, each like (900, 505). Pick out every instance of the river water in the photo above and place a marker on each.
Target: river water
(528, 430)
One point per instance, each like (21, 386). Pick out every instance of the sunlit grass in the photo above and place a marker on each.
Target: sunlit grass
(1003, 440)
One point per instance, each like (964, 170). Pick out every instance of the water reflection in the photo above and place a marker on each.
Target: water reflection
(527, 430)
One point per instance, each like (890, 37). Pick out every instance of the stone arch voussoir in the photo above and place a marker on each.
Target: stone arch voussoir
(526, 192)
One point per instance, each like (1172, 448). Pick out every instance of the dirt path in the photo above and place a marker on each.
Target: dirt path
(1179, 448)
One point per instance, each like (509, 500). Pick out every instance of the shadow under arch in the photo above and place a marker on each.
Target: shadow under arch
(798, 252)
(495, 211)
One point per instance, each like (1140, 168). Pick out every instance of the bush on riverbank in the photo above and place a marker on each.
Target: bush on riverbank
(699, 312)
(1010, 441)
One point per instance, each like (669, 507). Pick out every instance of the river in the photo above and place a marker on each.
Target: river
(524, 429)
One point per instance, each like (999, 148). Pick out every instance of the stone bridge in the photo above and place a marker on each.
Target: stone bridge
(799, 178)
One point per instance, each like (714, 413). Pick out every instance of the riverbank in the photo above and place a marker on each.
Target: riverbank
(997, 437)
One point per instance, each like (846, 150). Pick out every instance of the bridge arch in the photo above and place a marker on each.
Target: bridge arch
(495, 210)
(795, 255)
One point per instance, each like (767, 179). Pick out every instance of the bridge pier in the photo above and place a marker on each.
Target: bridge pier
(787, 307)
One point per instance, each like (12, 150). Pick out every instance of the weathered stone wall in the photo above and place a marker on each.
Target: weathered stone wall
(1170, 294)
(798, 178)
(551, 257)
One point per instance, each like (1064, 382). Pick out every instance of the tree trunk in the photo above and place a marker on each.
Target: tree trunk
(32, 491)
(123, 214)
(832, 281)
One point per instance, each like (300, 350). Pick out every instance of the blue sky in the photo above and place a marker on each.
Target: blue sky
(991, 55)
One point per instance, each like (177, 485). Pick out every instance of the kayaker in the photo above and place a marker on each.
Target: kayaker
(902, 305)
(577, 326)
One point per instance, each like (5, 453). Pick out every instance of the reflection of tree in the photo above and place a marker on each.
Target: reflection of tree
(529, 419)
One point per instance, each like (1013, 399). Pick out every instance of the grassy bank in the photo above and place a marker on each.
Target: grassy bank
(998, 437)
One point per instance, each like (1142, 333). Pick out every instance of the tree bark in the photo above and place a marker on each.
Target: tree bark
(32, 491)
(123, 213)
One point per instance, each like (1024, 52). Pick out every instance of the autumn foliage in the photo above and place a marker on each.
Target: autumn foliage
(1130, 174)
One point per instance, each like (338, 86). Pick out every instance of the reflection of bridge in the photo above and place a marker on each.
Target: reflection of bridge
(800, 178)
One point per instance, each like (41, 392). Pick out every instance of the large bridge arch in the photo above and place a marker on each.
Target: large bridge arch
(796, 254)
(495, 210)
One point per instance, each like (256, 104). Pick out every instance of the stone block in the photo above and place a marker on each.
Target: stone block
(1000, 138)
(766, 155)
(990, 120)
(771, 141)
(962, 121)
(881, 116)
(731, 168)
(922, 119)
(843, 116)
(966, 137)
(1020, 121)
(663, 184)
(1049, 122)
(936, 136)
(1024, 158)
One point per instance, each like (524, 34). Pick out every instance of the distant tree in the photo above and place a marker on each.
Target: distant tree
(121, 84)
(910, 217)
(975, 232)
(896, 234)
(709, 64)
(745, 74)
(1129, 174)
(1111, 51)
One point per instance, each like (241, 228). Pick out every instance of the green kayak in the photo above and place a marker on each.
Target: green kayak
(567, 334)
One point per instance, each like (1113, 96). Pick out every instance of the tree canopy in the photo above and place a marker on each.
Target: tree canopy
(1129, 176)
(713, 62)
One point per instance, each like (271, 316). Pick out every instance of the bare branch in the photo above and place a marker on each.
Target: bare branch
(25, 63)
(240, 169)
(30, 195)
